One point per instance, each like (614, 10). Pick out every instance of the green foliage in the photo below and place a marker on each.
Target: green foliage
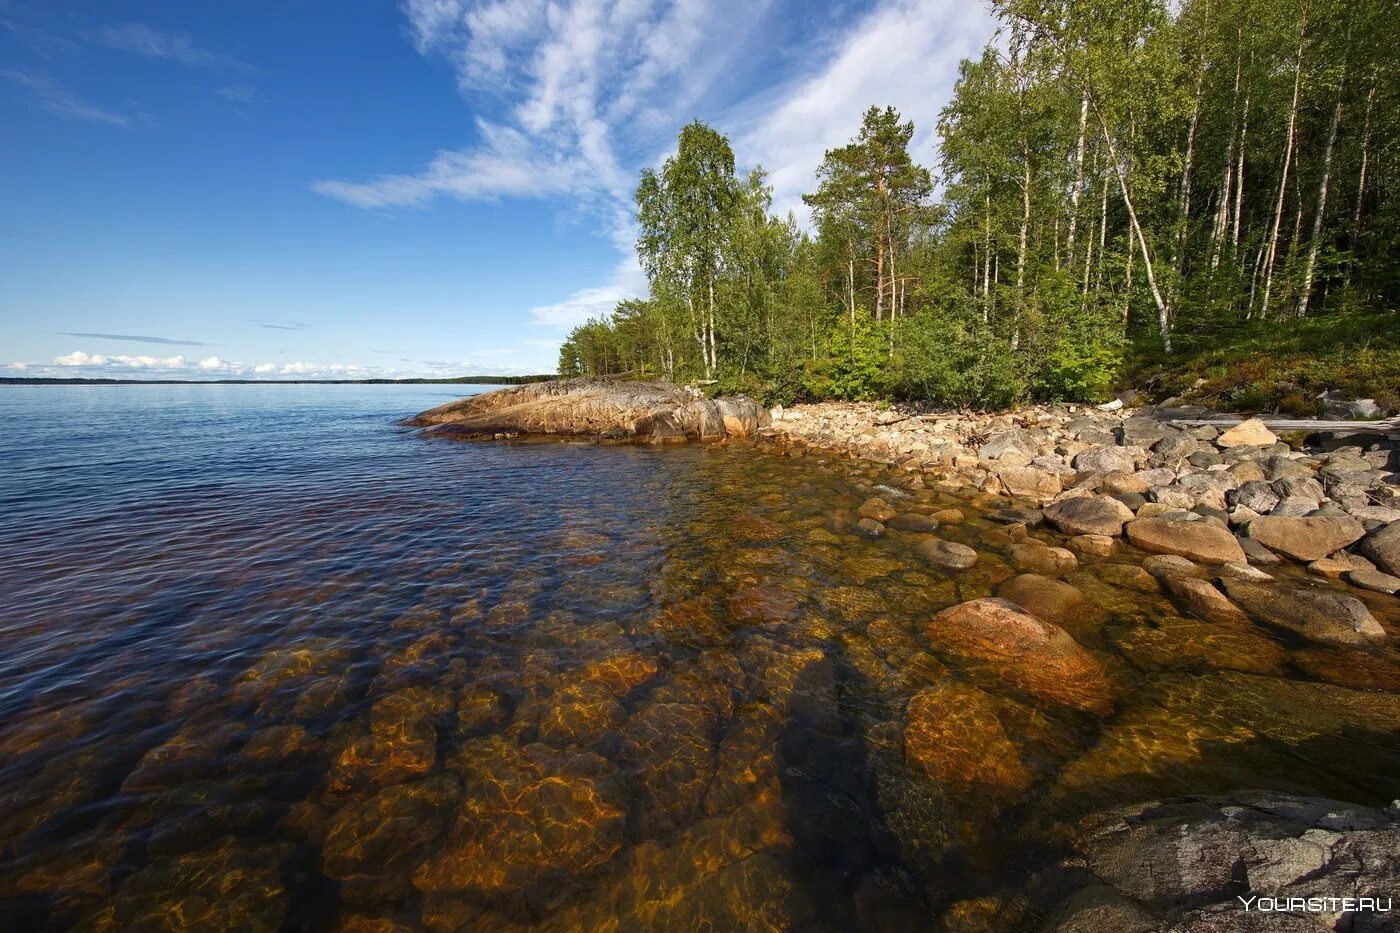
(1130, 190)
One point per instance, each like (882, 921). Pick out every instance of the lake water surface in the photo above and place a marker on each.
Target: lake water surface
(269, 661)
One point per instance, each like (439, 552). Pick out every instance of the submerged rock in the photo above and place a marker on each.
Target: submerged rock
(1318, 615)
(651, 411)
(947, 554)
(1042, 659)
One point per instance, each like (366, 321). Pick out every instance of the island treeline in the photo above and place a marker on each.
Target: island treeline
(1118, 182)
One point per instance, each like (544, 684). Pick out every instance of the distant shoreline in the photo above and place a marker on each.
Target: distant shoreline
(459, 380)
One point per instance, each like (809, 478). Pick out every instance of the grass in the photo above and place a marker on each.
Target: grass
(1280, 366)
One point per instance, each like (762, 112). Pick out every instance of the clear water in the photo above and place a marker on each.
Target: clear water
(270, 661)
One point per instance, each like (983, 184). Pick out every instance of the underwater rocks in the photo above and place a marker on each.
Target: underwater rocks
(1002, 639)
(528, 816)
(647, 411)
(1317, 615)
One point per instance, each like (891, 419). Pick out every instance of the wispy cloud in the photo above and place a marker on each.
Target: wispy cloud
(61, 102)
(159, 43)
(135, 338)
(574, 96)
(290, 325)
(243, 94)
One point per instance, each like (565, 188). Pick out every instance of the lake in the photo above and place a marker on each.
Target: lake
(270, 661)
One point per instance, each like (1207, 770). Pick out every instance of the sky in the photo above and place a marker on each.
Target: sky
(316, 189)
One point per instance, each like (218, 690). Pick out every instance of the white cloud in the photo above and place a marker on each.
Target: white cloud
(158, 43)
(904, 54)
(61, 102)
(579, 94)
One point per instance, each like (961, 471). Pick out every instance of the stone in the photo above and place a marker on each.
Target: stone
(385, 834)
(1315, 614)
(1017, 439)
(1116, 482)
(1305, 539)
(1037, 558)
(1104, 460)
(1089, 515)
(1094, 545)
(1165, 565)
(868, 528)
(1202, 600)
(1003, 640)
(231, 884)
(1244, 572)
(1031, 518)
(1256, 553)
(877, 509)
(1250, 433)
(1028, 482)
(947, 554)
(1198, 541)
(1383, 547)
(1183, 864)
(913, 521)
(1254, 495)
(1052, 600)
(644, 410)
(1374, 580)
(953, 736)
(1299, 487)
(528, 816)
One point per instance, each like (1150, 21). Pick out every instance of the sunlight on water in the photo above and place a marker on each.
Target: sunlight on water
(268, 660)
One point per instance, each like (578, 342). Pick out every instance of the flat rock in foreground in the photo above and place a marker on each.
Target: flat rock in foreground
(649, 411)
(1187, 863)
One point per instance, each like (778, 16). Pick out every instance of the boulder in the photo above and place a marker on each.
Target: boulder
(913, 521)
(1035, 557)
(1251, 433)
(1383, 547)
(1052, 600)
(1374, 580)
(1001, 639)
(1188, 863)
(1318, 615)
(1255, 495)
(1104, 460)
(1028, 482)
(1089, 515)
(1305, 539)
(953, 736)
(1094, 545)
(1200, 599)
(947, 554)
(647, 410)
(1198, 541)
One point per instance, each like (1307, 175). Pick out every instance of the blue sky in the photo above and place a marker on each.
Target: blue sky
(433, 187)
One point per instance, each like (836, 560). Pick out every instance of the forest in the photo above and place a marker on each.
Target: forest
(1196, 195)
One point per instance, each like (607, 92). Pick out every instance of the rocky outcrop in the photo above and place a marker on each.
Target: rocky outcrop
(1308, 538)
(1207, 864)
(651, 411)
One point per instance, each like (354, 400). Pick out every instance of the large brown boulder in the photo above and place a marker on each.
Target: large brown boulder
(1317, 615)
(954, 737)
(1310, 538)
(1198, 541)
(652, 411)
(1000, 638)
(1089, 515)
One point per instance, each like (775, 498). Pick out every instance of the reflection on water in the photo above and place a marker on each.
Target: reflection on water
(269, 662)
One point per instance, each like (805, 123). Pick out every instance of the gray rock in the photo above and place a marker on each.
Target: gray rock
(1175, 447)
(1142, 432)
(1018, 439)
(1293, 507)
(1383, 547)
(1204, 458)
(913, 521)
(1257, 553)
(1254, 495)
(1181, 865)
(1104, 460)
(1337, 408)
(1088, 515)
(946, 554)
(1280, 467)
(1299, 487)
(1318, 615)
(1374, 580)
(868, 528)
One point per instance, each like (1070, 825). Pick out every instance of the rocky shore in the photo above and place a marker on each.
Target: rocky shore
(1232, 496)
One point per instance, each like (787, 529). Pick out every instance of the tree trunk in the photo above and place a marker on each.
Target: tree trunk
(1222, 212)
(1361, 180)
(1025, 224)
(1184, 193)
(1272, 249)
(1308, 271)
(1074, 192)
